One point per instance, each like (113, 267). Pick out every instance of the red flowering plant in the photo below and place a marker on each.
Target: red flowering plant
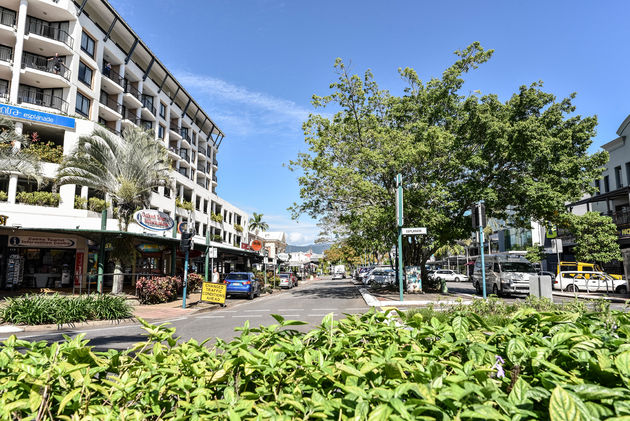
(158, 289)
(194, 282)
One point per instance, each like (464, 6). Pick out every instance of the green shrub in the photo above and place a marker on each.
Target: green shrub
(183, 204)
(79, 202)
(46, 151)
(3, 196)
(216, 217)
(217, 238)
(38, 198)
(158, 289)
(194, 282)
(544, 365)
(238, 227)
(59, 309)
(97, 205)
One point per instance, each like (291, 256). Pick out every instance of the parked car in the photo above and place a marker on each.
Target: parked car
(381, 277)
(449, 275)
(366, 275)
(339, 275)
(589, 281)
(506, 274)
(242, 283)
(287, 280)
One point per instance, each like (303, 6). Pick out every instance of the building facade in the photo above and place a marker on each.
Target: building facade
(67, 68)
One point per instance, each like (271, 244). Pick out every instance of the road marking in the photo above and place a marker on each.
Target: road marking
(171, 320)
(356, 308)
(258, 310)
(291, 309)
(324, 309)
(227, 311)
(319, 315)
(211, 317)
(290, 315)
(251, 315)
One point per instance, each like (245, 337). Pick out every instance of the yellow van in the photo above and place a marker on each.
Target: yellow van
(582, 267)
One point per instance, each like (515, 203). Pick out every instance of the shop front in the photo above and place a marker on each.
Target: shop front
(41, 260)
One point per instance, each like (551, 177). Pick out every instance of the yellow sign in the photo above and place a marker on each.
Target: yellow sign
(3, 219)
(213, 293)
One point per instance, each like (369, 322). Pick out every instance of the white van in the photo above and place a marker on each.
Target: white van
(505, 274)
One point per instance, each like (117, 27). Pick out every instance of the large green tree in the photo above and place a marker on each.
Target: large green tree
(257, 224)
(527, 155)
(595, 238)
(126, 168)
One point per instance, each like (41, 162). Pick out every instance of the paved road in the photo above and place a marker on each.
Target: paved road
(308, 302)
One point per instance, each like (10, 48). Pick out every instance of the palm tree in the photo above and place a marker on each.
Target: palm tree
(256, 223)
(14, 160)
(126, 168)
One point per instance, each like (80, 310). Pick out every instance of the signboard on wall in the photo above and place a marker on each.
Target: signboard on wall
(256, 245)
(153, 220)
(37, 116)
(42, 241)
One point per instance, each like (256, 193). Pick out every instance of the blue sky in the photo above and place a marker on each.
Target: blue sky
(254, 65)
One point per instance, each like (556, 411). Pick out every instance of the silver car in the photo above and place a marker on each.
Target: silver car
(381, 277)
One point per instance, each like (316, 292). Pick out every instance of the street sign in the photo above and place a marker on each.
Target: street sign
(212, 253)
(414, 231)
(213, 293)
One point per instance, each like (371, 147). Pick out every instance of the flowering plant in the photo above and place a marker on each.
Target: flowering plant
(158, 289)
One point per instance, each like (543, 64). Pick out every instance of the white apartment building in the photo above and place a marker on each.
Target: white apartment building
(66, 68)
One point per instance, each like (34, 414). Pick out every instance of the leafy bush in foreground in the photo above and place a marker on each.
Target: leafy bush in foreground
(555, 365)
(60, 309)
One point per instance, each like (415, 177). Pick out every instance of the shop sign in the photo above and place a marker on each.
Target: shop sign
(213, 293)
(624, 232)
(245, 246)
(256, 245)
(3, 219)
(154, 220)
(42, 241)
(78, 268)
(149, 248)
(37, 116)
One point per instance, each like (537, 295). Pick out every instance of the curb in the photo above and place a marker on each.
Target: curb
(590, 297)
(373, 302)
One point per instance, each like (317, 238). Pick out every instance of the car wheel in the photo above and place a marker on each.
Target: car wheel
(622, 289)
(495, 290)
(456, 279)
(572, 288)
(250, 296)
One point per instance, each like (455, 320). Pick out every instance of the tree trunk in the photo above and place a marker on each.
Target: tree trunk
(118, 277)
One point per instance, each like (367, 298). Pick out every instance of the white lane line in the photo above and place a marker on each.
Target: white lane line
(324, 309)
(357, 308)
(251, 315)
(211, 317)
(227, 311)
(290, 315)
(320, 315)
(290, 309)
(170, 320)
(258, 310)
(71, 332)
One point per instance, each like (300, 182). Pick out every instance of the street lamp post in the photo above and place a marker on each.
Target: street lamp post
(399, 224)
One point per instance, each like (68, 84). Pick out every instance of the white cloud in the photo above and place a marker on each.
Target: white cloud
(241, 111)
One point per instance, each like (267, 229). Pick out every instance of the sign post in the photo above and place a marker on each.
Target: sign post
(399, 223)
(185, 245)
(479, 221)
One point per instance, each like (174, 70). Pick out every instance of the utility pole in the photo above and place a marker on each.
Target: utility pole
(399, 224)
(479, 221)
(185, 245)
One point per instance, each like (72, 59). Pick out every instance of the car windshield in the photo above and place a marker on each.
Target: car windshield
(237, 277)
(284, 275)
(517, 267)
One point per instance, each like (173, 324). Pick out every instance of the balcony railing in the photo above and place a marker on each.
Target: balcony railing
(183, 171)
(620, 217)
(146, 124)
(130, 89)
(185, 133)
(51, 65)
(131, 116)
(113, 76)
(7, 17)
(47, 31)
(43, 100)
(214, 178)
(6, 53)
(183, 153)
(110, 103)
(116, 132)
(215, 162)
(148, 104)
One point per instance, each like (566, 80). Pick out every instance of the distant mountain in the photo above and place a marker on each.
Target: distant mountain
(317, 248)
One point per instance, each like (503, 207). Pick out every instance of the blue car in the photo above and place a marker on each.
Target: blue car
(242, 283)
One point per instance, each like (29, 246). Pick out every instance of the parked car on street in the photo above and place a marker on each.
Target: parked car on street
(366, 275)
(243, 284)
(380, 278)
(449, 275)
(339, 275)
(589, 281)
(287, 280)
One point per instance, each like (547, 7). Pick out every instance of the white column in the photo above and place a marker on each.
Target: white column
(13, 181)
(17, 51)
(19, 130)
(66, 194)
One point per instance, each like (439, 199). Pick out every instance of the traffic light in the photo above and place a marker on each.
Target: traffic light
(186, 242)
(479, 216)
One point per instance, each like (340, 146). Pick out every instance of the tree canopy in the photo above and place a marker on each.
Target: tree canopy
(526, 156)
(595, 238)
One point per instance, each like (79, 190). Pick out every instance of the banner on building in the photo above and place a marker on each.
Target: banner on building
(42, 242)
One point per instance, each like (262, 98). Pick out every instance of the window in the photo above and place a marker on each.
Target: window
(85, 74)
(628, 173)
(4, 87)
(618, 181)
(598, 187)
(161, 130)
(83, 105)
(162, 110)
(606, 184)
(87, 44)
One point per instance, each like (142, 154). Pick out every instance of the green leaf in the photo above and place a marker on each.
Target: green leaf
(66, 399)
(380, 413)
(622, 362)
(563, 407)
